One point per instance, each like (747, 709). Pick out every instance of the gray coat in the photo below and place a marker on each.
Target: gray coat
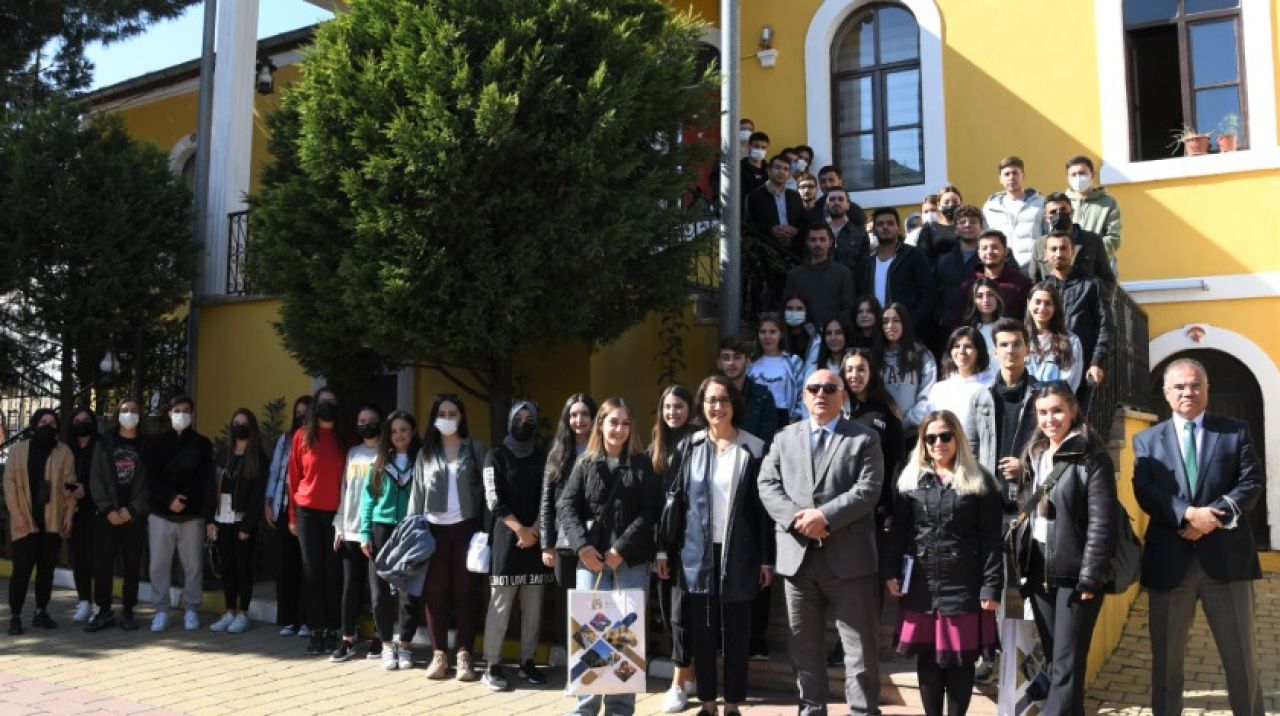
(431, 482)
(981, 427)
(845, 487)
(402, 561)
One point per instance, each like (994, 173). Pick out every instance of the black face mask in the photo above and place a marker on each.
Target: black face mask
(83, 429)
(949, 212)
(1060, 221)
(46, 434)
(240, 431)
(523, 431)
(327, 412)
(369, 430)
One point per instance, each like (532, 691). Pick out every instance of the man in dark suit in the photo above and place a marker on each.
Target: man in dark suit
(775, 223)
(820, 483)
(1198, 478)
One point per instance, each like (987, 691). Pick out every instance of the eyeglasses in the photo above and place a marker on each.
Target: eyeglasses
(828, 388)
(944, 438)
(717, 400)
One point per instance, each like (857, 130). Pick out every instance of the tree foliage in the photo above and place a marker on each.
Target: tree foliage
(458, 180)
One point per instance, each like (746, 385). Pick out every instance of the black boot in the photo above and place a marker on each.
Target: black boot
(101, 620)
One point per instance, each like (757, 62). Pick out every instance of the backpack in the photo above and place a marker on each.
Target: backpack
(1126, 564)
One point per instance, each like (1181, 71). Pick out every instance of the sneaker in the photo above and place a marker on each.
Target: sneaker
(389, 661)
(675, 700)
(466, 670)
(344, 652)
(987, 671)
(15, 625)
(439, 666)
(404, 658)
(315, 645)
(43, 620)
(100, 620)
(191, 620)
(223, 622)
(304, 631)
(530, 673)
(83, 611)
(127, 622)
(288, 630)
(494, 678)
(240, 624)
(375, 649)
(160, 622)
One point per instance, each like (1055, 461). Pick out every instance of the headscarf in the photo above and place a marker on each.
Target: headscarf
(521, 448)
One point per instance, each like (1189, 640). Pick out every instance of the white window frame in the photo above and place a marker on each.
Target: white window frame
(822, 31)
(1113, 92)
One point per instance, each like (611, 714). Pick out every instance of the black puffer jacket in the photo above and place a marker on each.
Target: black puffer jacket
(1082, 530)
(620, 506)
(956, 541)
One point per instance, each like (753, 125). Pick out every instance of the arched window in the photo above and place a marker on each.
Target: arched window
(1185, 66)
(877, 119)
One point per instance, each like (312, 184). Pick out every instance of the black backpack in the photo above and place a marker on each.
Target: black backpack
(1126, 564)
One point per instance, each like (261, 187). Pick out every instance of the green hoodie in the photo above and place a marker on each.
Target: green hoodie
(388, 508)
(1097, 211)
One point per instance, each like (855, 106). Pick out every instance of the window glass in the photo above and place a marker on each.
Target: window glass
(902, 97)
(857, 160)
(1213, 52)
(906, 157)
(1140, 11)
(853, 97)
(858, 49)
(1214, 104)
(1203, 5)
(899, 35)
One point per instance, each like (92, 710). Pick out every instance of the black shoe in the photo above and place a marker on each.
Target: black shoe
(530, 673)
(101, 620)
(15, 625)
(375, 649)
(345, 651)
(760, 652)
(836, 657)
(331, 640)
(127, 623)
(315, 645)
(43, 620)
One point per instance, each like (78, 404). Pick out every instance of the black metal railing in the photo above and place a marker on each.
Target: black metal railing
(237, 252)
(1127, 372)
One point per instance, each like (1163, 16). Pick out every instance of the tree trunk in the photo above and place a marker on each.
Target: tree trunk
(500, 389)
(66, 383)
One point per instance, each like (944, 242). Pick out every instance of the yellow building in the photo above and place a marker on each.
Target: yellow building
(907, 96)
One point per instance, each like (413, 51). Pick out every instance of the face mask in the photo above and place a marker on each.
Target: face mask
(240, 431)
(82, 429)
(928, 216)
(327, 411)
(46, 434)
(793, 318)
(180, 421)
(523, 431)
(446, 426)
(949, 212)
(744, 135)
(757, 154)
(1079, 182)
(368, 430)
(129, 421)
(1059, 221)
(798, 166)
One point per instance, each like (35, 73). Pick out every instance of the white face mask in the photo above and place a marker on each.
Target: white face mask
(757, 154)
(446, 426)
(798, 166)
(793, 318)
(1079, 182)
(180, 421)
(929, 216)
(128, 421)
(744, 135)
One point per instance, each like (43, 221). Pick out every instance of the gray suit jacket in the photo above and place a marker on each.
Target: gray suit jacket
(845, 487)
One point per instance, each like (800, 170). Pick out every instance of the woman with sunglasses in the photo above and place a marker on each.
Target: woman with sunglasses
(944, 558)
(1055, 353)
(966, 368)
(909, 370)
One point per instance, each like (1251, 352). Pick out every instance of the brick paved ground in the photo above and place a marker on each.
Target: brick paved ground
(68, 671)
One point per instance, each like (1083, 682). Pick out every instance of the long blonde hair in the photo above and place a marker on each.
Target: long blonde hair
(967, 477)
(595, 444)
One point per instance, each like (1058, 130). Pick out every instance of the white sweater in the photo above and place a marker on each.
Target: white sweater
(346, 521)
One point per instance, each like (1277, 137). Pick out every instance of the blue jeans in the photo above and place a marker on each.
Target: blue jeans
(627, 577)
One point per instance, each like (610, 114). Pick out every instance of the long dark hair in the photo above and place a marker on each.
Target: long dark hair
(972, 316)
(311, 426)
(663, 439)
(432, 444)
(908, 351)
(877, 334)
(876, 392)
(294, 422)
(800, 333)
(948, 365)
(252, 468)
(735, 401)
(824, 353)
(564, 444)
(1060, 339)
(387, 451)
(1039, 442)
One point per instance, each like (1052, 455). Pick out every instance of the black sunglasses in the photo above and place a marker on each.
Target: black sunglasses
(945, 438)
(828, 388)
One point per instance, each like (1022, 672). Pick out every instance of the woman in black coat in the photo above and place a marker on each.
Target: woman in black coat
(943, 556)
(1068, 562)
(232, 511)
(725, 555)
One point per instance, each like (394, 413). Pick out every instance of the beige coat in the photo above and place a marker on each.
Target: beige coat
(59, 470)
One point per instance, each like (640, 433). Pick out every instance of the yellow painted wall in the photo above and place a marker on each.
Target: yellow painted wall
(1257, 318)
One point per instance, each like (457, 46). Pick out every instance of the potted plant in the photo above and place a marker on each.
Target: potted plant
(1195, 142)
(1228, 132)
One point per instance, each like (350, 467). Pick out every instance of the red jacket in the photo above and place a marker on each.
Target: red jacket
(315, 472)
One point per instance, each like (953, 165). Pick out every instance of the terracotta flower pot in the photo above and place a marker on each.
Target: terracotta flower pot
(1199, 144)
(1226, 142)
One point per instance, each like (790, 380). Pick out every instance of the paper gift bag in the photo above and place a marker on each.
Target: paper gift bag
(606, 642)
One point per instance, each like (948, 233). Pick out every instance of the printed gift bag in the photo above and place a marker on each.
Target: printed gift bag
(606, 642)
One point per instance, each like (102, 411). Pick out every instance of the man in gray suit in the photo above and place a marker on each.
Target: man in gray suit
(1198, 477)
(820, 483)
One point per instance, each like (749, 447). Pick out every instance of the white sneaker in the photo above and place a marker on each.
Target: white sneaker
(287, 630)
(222, 623)
(675, 700)
(304, 631)
(191, 620)
(240, 624)
(83, 612)
(404, 658)
(160, 622)
(389, 661)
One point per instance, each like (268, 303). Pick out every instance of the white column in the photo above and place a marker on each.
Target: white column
(232, 133)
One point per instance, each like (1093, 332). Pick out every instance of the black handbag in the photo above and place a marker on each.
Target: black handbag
(1017, 538)
(675, 510)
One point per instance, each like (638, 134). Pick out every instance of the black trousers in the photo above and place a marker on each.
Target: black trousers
(321, 569)
(384, 603)
(952, 685)
(761, 609)
(699, 622)
(235, 559)
(355, 578)
(126, 542)
(290, 597)
(1065, 624)
(38, 551)
(83, 527)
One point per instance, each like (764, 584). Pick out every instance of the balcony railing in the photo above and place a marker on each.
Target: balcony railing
(237, 252)
(1127, 372)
